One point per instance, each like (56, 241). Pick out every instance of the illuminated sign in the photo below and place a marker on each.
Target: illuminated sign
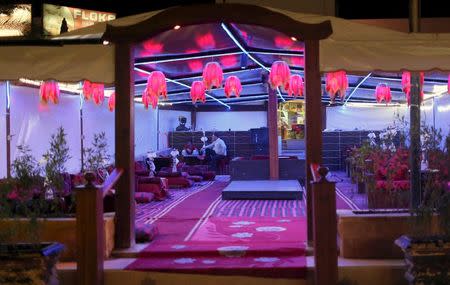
(15, 20)
(61, 19)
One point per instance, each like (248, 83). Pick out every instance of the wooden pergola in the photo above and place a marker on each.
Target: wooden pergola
(124, 38)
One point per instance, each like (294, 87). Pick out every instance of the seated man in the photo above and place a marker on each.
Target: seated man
(189, 149)
(216, 151)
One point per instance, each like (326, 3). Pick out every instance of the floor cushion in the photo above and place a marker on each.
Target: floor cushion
(195, 178)
(156, 189)
(143, 197)
(146, 232)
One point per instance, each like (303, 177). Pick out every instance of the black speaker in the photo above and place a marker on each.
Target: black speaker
(260, 140)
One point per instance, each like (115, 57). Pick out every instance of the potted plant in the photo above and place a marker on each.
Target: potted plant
(96, 157)
(33, 261)
(427, 247)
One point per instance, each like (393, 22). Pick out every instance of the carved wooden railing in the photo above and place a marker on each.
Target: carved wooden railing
(90, 228)
(324, 227)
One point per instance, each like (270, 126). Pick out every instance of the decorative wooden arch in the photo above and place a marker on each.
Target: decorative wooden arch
(125, 36)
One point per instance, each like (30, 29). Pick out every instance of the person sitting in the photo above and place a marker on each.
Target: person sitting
(189, 149)
(182, 126)
(216, 151)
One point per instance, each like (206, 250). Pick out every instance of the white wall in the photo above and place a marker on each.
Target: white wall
(145, 134)
(349, 118)
(236, 121)
(33, 124)
(2, 130)
(168, 121)
(442, 114)
(97, 119)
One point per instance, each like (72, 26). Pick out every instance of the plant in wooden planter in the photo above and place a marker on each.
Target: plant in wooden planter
(96, 157)
(31, 261)
(427, 247)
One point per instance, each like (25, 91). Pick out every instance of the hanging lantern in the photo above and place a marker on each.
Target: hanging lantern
(49, 91)
(383, 92)
(87, 90)
(147, 100)
(112, 102)
(198, 92)
(233, 85)
(212, 75)
(98, 93)
(336, 82)
(406, 86)
(156, 85)
(279, 75)
(295, 86)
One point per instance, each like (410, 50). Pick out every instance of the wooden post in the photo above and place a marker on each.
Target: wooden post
(272, 122)
(193, 118)
(8, 130)
(81, 139)
(124, 136)
(313, 117)
(415, 149)
(90, 235)
(325, 230)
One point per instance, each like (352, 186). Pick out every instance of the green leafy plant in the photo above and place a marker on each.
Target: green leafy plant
(96, 157)
(56, 158)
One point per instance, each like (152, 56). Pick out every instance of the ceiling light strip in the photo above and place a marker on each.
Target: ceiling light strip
(224, 27)
(354, 89)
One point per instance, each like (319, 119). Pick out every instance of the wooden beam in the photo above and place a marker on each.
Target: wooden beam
(90, 235)
(193, 119)
(313, 117)
(415, 149)
(124, 145)
(272, 123)
(325, 230)
(8, 130)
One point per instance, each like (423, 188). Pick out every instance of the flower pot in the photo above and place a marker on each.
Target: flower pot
(427, 259)
(29, 263)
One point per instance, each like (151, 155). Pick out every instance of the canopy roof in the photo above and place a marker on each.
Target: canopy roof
(242, 49)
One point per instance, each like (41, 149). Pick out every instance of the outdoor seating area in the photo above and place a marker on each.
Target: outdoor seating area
(207, 142)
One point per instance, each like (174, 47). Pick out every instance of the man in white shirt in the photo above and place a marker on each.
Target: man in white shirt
(218, 151)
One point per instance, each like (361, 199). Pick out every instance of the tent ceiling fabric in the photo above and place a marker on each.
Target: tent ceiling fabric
(351, 46)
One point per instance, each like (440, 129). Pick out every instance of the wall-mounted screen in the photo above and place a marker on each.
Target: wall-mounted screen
(15, 20)
(61, 19)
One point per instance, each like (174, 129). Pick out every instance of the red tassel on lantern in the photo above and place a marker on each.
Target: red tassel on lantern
(233, 85)
(336, 82)
(383, 92)
(279, 75)
(112, 102)
(406, 85)
(212, 75)
(147, 100)
(49, 91)
(295, 86)
(198, 92)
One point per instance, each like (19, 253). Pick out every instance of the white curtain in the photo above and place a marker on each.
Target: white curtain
(235, 121)
(2, 130)
(33, 124)
(442, 114)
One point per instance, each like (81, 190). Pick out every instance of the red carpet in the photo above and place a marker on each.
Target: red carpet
(195, 238)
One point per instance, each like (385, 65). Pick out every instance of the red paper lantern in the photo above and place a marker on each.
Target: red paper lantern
(98, 93)
(233, 85)
(198, 92)
(406, 85)
(383, 92)
(87, 90)
(112, 102)
(295, 86)
(147, 100)
(280, 75)
(156, 84)
(212, 75)
(336, 82)
(49, 91)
